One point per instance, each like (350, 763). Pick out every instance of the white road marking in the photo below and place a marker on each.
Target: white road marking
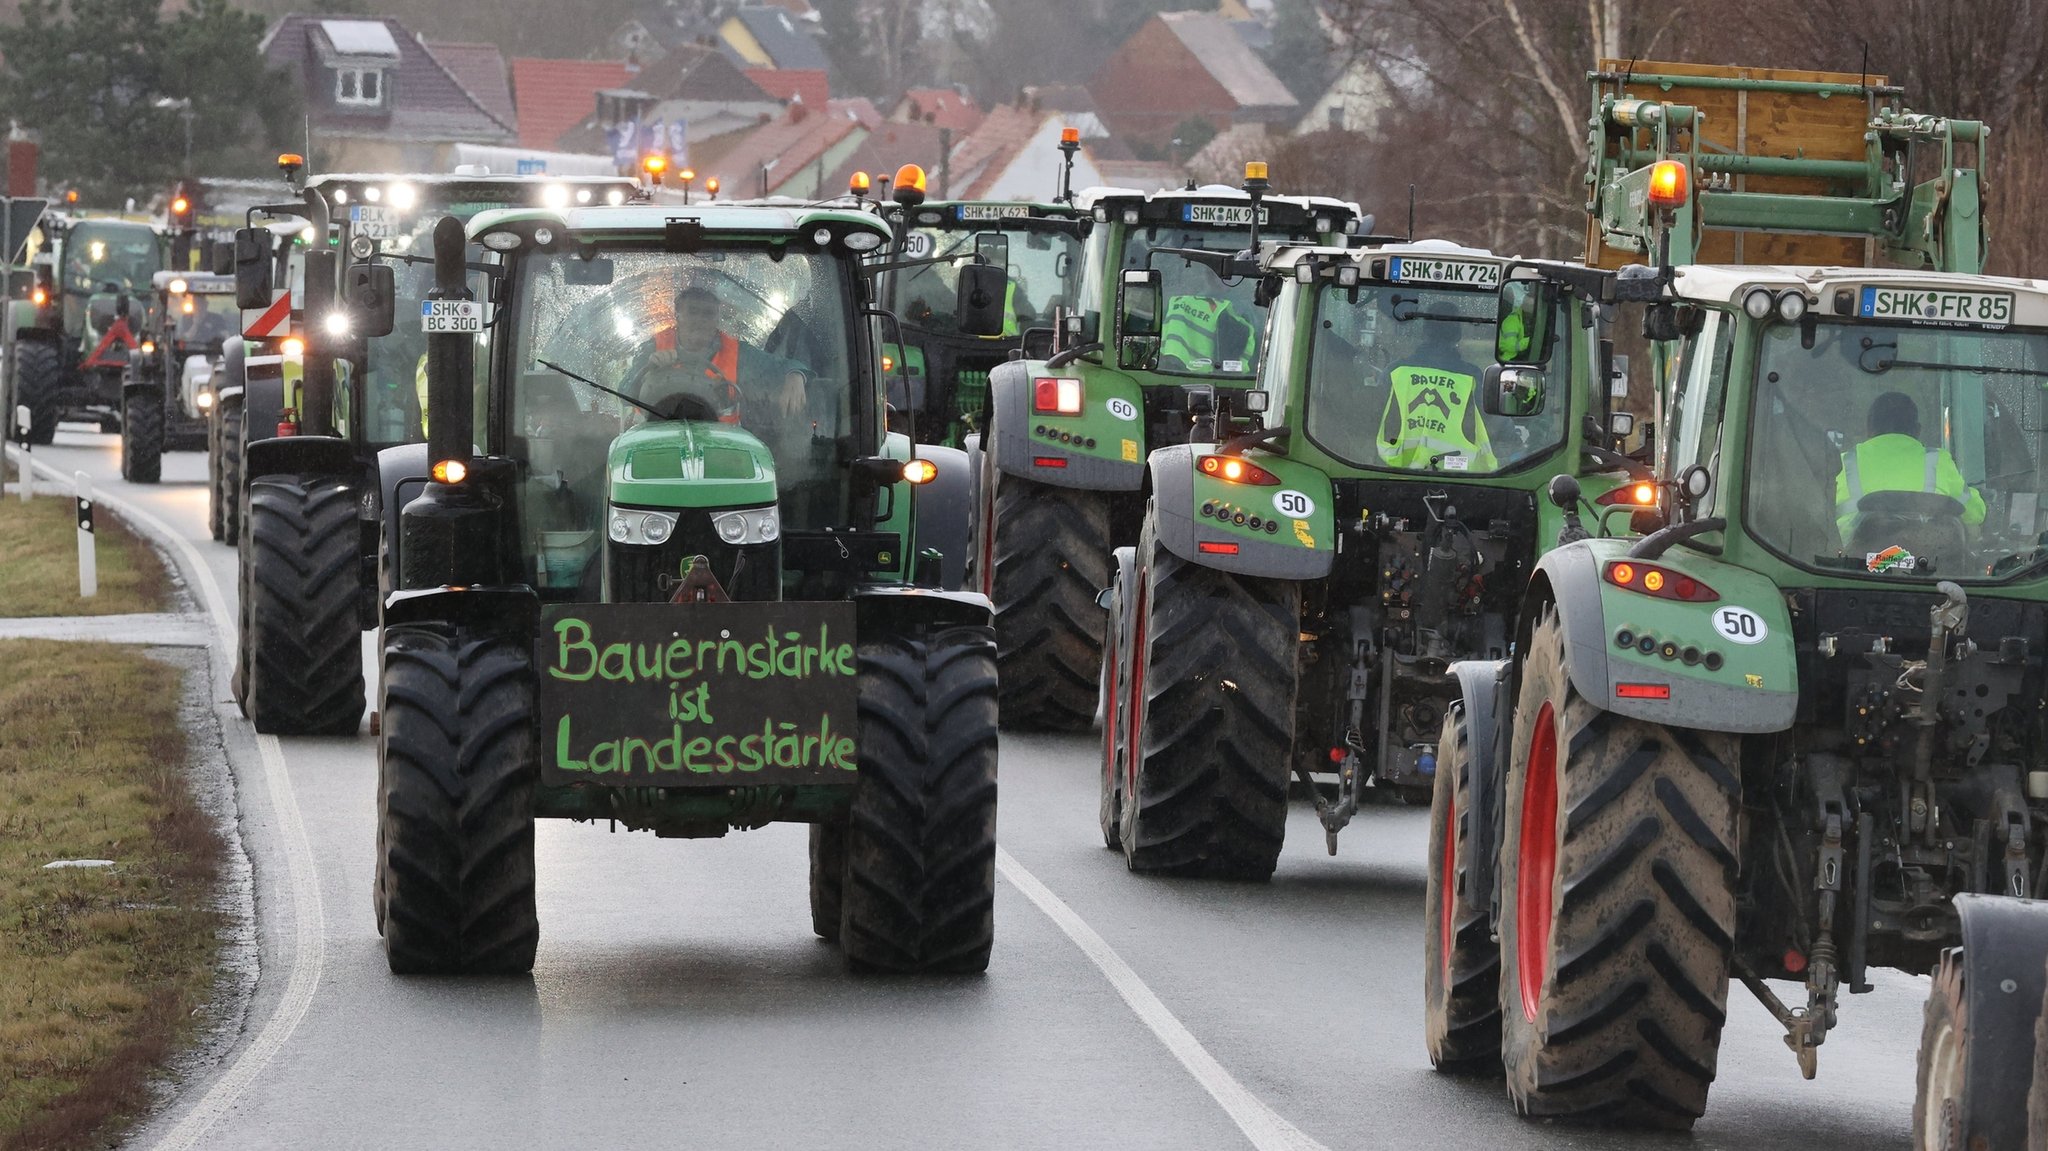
(1260, 1123)
(309, 917)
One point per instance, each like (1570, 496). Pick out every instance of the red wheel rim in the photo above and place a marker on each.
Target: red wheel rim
(1447, 885)
(1133, 737)
(1536, 864)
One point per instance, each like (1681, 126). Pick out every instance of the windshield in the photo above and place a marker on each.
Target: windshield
(736, 337)
(110, 257)
(1902, 451)
(1208, 327)
(1394, 383)
(1041, 264)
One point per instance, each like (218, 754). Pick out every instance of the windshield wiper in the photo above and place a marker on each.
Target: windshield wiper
(1880, 366)
(555, 367)
(1415, 312)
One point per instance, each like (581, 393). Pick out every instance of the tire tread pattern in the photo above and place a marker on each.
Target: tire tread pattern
(304, 674)
(1461, 998)
(1051, 559)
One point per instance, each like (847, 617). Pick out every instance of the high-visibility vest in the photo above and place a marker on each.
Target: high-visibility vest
(1010, 326)
(724, 365)
(1513, 339)
(1428, 414)
(1192, 333)
(1896, 462)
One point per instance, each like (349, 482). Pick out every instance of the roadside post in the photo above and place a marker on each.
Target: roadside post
(21, 428)
(88, 562)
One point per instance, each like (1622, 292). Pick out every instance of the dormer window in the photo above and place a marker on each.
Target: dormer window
(359, 87)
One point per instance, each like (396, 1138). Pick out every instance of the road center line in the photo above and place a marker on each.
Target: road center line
(1260, 1123)
(309, 917)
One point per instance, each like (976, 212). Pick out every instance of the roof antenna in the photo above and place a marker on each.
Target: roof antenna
(1863, 71)
(1411, 213)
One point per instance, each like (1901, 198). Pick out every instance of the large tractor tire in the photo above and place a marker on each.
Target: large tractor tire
(142, 437)
(456, 766)
(1617, 905)
(828, 878)
(919, 889)
(1116, 670)
(304, 670)
(1461, 962)
(1981, 1080)
(38, 378)
(1211, 690)
(1048, 558)
(216, 519)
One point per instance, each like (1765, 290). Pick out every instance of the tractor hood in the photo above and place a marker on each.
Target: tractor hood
(690, 464)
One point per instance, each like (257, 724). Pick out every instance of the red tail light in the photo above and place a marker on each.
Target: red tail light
(1642, 691)
(1213, 548)
(1236, 470)
(1651, 580)
(1056, 396)
(1639, 494)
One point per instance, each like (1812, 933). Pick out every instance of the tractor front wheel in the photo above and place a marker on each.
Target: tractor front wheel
(1461, 963)
(455, 777)
(920, 848)
(38, 377)
(303, 667)
(1211, 685)
(828, 878)
(1617, 905)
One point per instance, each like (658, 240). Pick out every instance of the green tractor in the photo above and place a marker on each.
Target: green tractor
(664, 570)
(71, 350)
(1789, 729)
(944, 391)
(312, 399)
(167, 393)
(1301, 588)
(1159, 345)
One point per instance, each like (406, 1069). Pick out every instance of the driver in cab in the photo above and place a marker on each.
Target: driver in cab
(697, 357)
(1893, 459)
(1432, 420)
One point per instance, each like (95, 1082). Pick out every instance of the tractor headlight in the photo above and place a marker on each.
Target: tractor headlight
(639, 526)
(752, 526)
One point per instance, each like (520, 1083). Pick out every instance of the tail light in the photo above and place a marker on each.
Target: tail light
(1636, 494)
(1237, 470)
(1056, 396)
(1651, 580)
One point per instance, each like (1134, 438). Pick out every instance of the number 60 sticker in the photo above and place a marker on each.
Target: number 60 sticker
(1740, 625)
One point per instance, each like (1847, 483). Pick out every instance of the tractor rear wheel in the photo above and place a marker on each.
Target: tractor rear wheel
(828, 878)
(1461, 963)
(1213, 676)
(38, 377)
(1116, 670)
(1617, 905)
(455, 777)
(919, 892)
(1048, 558)
(304, 674)
(142, 436)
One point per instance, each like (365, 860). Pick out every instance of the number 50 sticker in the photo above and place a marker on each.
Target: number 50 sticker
(1294, 504)
(1740, 625)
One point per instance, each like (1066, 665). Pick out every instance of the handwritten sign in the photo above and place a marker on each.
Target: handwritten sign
(704, 695)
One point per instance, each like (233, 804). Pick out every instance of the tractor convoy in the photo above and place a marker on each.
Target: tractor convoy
(697, 517)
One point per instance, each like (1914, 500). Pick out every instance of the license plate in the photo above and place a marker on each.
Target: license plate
(1457, 273)
(992, 211)
(441, 317)
(1229, 215)
(374, 222)
(1928, 306)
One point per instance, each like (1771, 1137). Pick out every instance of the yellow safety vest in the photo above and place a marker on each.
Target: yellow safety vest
(1191, 334)
(1429, 412)
(1896, 462)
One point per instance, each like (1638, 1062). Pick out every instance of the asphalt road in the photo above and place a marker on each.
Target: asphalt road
(679, 998)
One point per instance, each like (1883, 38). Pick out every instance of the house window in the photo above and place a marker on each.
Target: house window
(359, 87)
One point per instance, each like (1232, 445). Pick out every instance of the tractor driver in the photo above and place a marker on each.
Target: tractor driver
(697, 358)
(1204, 334)
(201, 326)
(1432, 420)
(1893, 459)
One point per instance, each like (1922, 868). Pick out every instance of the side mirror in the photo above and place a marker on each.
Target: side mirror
(220, 258)
(252, 268)
(981, 303)
(1516, 393)
(181, 252)
(1525, 335)
(1138, 300)
(370, 297)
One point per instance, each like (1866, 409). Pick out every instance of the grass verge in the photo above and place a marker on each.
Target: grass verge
(101, 969)
(39, 562)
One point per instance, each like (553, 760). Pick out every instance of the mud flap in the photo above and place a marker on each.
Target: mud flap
(2005, 943)
(1483, 693)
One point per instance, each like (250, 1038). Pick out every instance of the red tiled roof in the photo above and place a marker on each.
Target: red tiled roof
(889, 146)
(786, 84)
(553, 96)
(982, 156)
(793, 140)
(480, 69)
(939, 107)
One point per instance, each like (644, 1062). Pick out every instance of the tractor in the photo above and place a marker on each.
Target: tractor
(167, 394)
(946, 371)
(71, 353)
(1305, 577)
(658, 564)
(1063, 475)
(311, 423)
(1786, 725)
